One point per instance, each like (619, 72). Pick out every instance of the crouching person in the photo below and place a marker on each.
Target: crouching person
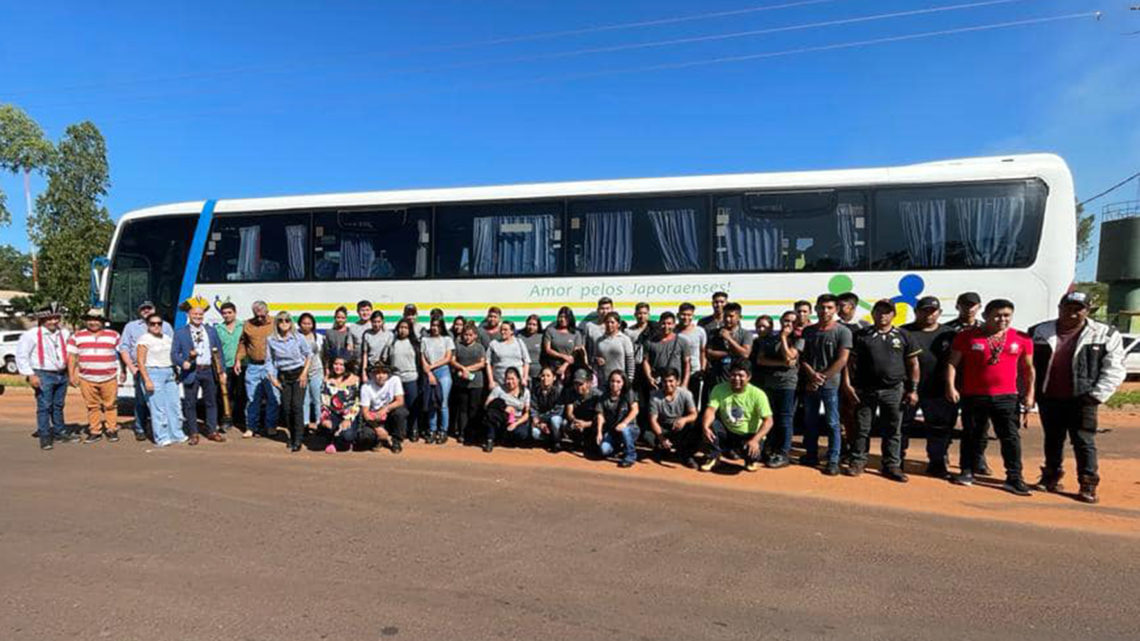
(616, 419)
(507, 415)
(673, 419)
(383, 416)
(340, 400)
(547, 405)
(736, 419)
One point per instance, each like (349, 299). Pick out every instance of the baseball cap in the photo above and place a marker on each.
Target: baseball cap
(969, 298)
(883, 303)
(1079, 298)
(146, 303)
(582, 375)
(929, 302)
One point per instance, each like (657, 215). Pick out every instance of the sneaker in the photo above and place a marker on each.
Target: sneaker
(113, 436)
(832, 469)
(397, 447)
(93, 438)
(66, 437)
(895, 474)
(983, 469)
(854, 469)
(140, 436)
(1014, 485)
(625, 463)
(709, 464)
(489, 445)
(752, 466)
(247, 433)
(555, 447)
(46, 445)
(776, 461)
(731, 455)
(965, 478)
(691, 463)
(330, 449)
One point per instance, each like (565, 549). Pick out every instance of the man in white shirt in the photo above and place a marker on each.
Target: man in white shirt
(382, 412)
(41, 357)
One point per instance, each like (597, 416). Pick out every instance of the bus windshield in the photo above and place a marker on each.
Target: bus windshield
(147, 264)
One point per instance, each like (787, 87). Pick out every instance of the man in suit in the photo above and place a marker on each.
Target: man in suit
(193, 353)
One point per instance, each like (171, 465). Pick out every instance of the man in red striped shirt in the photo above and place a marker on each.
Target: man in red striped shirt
(94, 369)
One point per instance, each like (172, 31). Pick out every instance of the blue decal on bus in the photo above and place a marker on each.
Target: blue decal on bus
(194, 260)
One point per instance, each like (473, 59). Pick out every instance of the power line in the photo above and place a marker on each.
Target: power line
(657, 43)
(1109, 190)
(686, 64)
(545, 35)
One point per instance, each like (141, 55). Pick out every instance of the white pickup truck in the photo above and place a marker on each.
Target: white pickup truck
(8, 342)
(1132, 355)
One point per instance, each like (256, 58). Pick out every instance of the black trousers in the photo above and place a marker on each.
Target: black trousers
(235, 388)
(396, 424)
(292, 404)
(1004, 413)
(888, 403)
(468, 403)
(686, 440)
(204, 380)
(1077, 420)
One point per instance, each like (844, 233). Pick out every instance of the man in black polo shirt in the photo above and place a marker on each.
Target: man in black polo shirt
(968, 305)
(726, 345)
(714, 321)
(882, 363)
(581, 407)
(938, 414)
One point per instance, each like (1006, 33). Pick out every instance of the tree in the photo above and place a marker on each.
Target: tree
(15, 269)
(1085, 225)
(70, 224)
(23, 149)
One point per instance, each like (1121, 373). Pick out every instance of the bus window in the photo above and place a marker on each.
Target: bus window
(498, 240)
(148, 263)
(257, 248)
(958, 227)
(793, 231)
(638, 236)
(371, 244)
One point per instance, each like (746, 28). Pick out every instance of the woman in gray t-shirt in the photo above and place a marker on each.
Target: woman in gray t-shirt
(531, 336)
(507, 352)
(614, 350)
(561, 341)
(404, 363)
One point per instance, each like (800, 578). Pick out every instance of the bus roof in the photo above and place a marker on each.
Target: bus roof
(1050, 167)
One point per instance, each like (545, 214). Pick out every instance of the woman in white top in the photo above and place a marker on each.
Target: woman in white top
(161, 389)
(508, 410)
(435, 354)
(508, 352)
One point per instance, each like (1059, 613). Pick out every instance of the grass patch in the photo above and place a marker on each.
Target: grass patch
(1124, 397)
(9, 380)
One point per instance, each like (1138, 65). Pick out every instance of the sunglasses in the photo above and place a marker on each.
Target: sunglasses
(284, 322)
(158, 324)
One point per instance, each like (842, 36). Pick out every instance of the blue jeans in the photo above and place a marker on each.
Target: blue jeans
(628, 438)
(443, 378)
(554, 420)
(142, 410)
(49, 404)
(258, 387)
(312, 402)
(165, 407)
(828, 397)
(783, 402)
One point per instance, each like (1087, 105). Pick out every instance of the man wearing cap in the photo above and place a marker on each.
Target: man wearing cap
(968, 305)
(938, 414)
(581, 406)
(882, 375)
(41, 357)
(251, 357)
(1081, 363)
(993, 359)
(194, 349)
(94, 369)
(128, 352)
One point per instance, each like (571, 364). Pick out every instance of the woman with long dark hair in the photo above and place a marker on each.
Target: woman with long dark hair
(469, 360)
(404, 363)
(307, 328)
(508, 411)
(562, 343)
(617, 419)
(435, 356)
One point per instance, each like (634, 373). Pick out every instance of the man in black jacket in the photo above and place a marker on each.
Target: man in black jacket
(1081, 363)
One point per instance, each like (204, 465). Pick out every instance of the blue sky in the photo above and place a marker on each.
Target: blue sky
(215, 100)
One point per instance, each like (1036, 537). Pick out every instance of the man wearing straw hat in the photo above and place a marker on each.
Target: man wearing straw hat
(41, 357)
(193, 352)
(94, 369)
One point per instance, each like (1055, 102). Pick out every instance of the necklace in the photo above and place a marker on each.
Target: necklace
(996, 344)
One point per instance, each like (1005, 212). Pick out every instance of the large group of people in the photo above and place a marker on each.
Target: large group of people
(703, 392)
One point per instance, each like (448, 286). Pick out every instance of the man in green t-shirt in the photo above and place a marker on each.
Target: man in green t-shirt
(737, 418)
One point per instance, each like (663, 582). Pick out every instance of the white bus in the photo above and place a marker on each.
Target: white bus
(1001, 226)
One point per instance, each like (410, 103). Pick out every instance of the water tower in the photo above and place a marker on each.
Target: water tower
(1119, 263)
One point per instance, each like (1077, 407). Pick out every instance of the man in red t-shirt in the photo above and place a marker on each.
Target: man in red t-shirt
(992, 358)
(94, 369)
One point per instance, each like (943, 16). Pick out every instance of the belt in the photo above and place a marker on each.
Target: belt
(205, 368)
(256, 362)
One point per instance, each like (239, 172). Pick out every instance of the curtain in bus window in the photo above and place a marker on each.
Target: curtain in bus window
(356, 257)
(295, 241)
(676, 232)
(846, 229)
(421, 248)
(608, 243)
(924, 227)
(751, 243)
(249, 253)
(507, 245)
(990, 228)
